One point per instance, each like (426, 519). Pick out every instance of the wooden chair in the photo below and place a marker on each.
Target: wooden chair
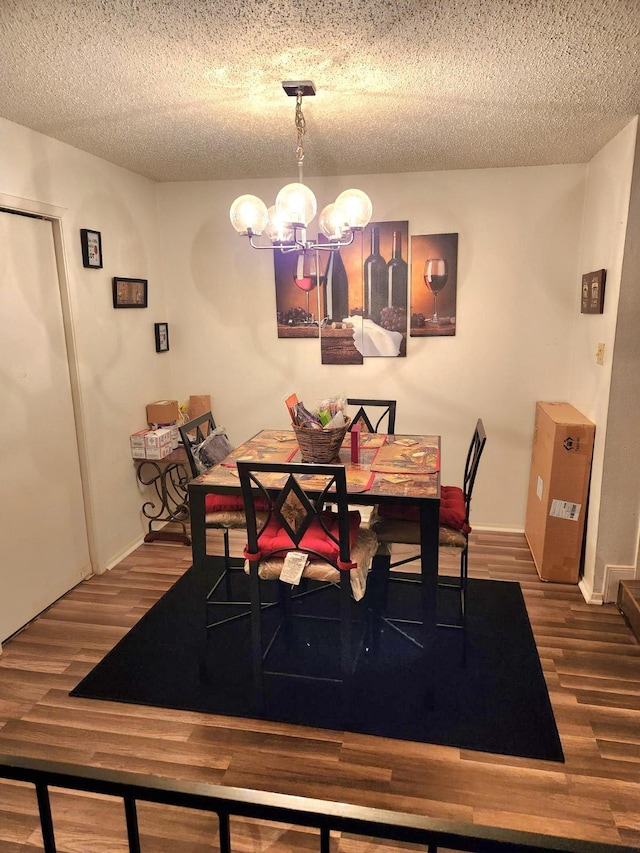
(223, 512)
(364, 412)
(340, 553)
(394, 523)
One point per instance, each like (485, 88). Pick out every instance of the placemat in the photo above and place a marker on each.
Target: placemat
(407, 456)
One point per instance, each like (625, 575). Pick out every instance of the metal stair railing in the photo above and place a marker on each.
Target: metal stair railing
(325, 816)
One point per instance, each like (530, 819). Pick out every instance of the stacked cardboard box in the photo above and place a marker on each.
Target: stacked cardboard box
(558, 490)
(151, 443)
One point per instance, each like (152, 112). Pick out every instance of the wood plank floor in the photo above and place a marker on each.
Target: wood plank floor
(590, 659)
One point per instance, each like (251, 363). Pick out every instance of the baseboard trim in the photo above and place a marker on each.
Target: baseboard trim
(588, 594)
(496, 528)
(612, 577)
(128, 549)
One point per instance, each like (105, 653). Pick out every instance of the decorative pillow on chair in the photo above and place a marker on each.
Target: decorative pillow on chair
(452, 510)
(275, 538)
(230, 503)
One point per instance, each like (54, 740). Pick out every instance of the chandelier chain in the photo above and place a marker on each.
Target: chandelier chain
(301, 128)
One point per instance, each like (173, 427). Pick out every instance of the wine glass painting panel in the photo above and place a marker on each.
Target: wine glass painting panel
(434, 278)
(298, 277)
(375, 267)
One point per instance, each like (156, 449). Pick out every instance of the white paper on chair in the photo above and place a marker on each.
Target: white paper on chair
(293, 566)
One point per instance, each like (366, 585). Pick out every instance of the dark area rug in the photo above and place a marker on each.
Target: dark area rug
(489, 696)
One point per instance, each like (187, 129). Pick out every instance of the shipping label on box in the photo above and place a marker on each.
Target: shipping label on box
(564, 509)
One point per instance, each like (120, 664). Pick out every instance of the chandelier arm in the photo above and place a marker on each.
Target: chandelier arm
(332, 245)
(294, 246)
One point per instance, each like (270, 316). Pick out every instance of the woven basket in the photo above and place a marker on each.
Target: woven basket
(321, 445)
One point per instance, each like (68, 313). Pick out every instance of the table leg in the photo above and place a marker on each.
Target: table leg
(169, 481)
(198, 529)
(429, 527)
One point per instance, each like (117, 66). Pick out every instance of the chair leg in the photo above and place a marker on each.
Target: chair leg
(227, 564)
(256, 639)
(346, 643)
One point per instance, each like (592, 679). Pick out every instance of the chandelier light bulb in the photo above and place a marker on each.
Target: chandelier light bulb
(249, 215)
(277, 230)
(333, 222)
(296, 204)
(357, 207)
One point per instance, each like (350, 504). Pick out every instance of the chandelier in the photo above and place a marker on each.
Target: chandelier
(285, 223)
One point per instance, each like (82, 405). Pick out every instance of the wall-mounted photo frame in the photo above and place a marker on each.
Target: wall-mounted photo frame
(592, 301)
(162, 337)
(129, 293)
(91, 243)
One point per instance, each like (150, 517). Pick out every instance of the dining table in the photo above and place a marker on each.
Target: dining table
(399, 469)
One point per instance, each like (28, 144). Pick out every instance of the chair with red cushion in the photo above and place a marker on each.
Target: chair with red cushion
(339, 552)
(395, 523)
(223, 512)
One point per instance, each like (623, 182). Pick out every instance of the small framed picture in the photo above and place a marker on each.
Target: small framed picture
(129, 293)
(162, 337)
(592, 300)
(91, 243)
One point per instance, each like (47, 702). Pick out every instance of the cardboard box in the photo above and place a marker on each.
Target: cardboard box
(558, 490)
(158, 452)
(163, 412)
(158, 438)
(137, 442)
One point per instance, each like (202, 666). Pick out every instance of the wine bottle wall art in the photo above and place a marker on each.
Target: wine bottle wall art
(355, 299)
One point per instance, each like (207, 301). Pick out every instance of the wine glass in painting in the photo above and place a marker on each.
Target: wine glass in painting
(436, 274)
(308, 274)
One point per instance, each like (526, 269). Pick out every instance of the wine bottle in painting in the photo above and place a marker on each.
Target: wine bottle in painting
(397, 275)
(375, 279)
(336, 305)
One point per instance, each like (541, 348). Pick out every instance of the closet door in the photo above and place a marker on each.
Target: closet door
(43, 535)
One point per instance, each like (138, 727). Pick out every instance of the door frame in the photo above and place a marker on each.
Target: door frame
(56, 216)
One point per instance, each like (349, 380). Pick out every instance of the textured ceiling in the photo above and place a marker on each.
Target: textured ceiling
(180, 90)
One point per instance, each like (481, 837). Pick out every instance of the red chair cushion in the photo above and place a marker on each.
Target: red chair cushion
(275, 538)
(452, 510)
(230, 503)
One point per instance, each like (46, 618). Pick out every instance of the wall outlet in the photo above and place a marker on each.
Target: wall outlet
(600, 354)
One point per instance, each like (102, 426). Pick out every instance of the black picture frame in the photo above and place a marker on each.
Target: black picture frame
(129, 292)
(592, 292)
(91, 242)
(162, 337)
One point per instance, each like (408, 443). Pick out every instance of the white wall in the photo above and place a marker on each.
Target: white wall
(119, 370)
(604, 233)
(519, 237)
(610, 395)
